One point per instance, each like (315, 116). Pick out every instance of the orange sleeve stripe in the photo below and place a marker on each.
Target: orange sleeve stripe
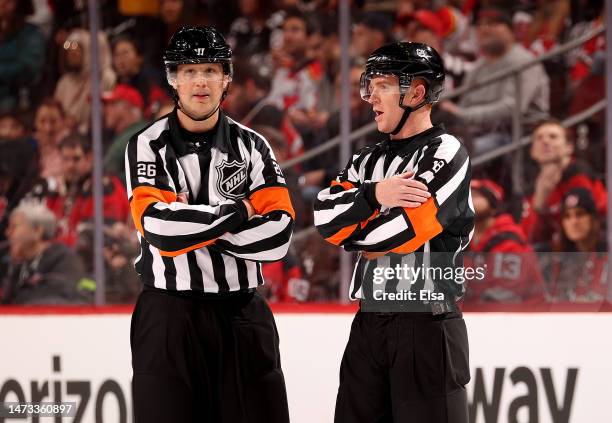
(270, 199)
(185, 250)
(341, 235)
(346, 184)
(143, 197)
(425, 224)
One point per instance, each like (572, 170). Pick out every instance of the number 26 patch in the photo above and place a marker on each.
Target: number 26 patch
(146, 169)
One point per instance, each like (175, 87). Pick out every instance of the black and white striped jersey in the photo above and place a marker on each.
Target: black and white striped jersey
(207, 245)
(347, 213)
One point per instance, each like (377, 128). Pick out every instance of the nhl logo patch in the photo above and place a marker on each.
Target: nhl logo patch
(231, 178)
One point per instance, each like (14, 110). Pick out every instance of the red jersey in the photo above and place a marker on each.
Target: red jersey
(73, 208)
(512, 273)
(578, 277)
(541, 227)
(284, 280)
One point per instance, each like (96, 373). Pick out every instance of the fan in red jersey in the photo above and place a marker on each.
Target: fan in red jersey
(512, 271)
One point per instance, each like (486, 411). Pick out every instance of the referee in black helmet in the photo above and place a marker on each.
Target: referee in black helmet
(403, 201)
(210, 204)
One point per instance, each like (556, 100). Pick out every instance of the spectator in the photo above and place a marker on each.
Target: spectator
(371, 31)
(284, 281)
(128, 63)
(487, 111)
(18, 174)
(512, 270)
(12, 127)
(22, 54)
(578, 273)
(587, 62)
(296, 80)
(123, 110)
(247, 102)
(321, 170)
(249, 34)
(321, 264)
(426, 27)
(74, 87)
(70, 195)
(49, 129)
(278, 143)
(40, 271)
(558, 173)
(547, 26)
(120, 249)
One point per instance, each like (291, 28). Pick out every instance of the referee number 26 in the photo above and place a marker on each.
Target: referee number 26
(145, 169)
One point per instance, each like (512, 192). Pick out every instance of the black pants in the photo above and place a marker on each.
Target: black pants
(206, 360)
(404, 368)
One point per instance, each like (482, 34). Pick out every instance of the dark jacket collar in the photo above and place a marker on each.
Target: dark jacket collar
(179, 144)
(414, 142)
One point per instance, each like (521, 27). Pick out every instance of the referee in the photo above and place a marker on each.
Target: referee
(405, 200)
(210, 204)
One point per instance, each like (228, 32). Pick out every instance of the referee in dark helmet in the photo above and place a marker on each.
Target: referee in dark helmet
(403, 202)
(210, 204)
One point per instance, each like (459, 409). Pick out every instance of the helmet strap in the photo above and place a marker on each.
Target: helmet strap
(407, 111)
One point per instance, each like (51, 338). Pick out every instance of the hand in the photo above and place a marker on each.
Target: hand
(372, 255)
(182, 198)
(400, 191)
(249, 207)
(545, 183)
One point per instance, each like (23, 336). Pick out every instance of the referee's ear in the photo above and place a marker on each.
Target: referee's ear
(417, 92)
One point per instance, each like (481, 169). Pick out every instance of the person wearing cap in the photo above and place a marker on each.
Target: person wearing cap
(578, 272)
(210, 204)
(371, 31)
(486, 112)
(425, 26)
(123, 116)
(512, 270)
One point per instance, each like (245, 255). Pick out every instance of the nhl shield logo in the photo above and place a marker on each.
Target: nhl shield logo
(231, 178)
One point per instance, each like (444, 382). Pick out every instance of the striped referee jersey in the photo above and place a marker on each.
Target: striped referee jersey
(347, 213)
(208, 245)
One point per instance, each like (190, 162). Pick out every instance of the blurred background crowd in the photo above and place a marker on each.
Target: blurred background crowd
(543, 240)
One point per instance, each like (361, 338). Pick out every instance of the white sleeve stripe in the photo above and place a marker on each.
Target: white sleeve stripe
(384, 232)
(257, 170)
(451, 186)
(250, 236)
(324, 195)
(162, 153)
(267, 255)
(323, 217)
(167, 228)
(175, 206)
(448, 148)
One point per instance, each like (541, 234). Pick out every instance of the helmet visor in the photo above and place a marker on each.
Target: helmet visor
(375, 83)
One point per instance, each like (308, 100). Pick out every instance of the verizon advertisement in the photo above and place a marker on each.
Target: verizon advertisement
(534, 367)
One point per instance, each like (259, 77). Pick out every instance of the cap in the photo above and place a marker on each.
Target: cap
(490, 190)
(126, 93)
(429, 20)
(493, 14)
(579, 197)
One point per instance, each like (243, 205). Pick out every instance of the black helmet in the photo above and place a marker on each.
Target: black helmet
(198, 44)
(407, 61)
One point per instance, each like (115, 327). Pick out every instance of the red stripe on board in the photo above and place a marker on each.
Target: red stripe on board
(329, 308)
